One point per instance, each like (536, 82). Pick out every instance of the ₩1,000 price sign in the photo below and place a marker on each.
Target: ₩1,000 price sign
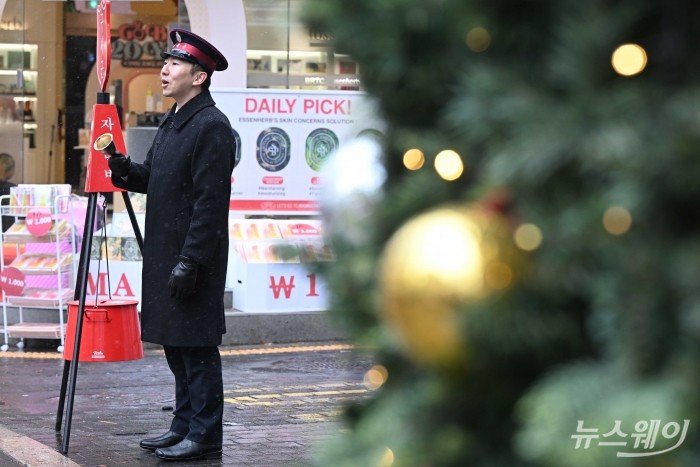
(12, 281)
(39, 222)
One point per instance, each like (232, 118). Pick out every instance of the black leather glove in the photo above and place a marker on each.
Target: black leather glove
(119, 164)
(183, 278)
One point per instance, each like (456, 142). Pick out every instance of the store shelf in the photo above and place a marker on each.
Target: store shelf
(36, 330)
(42, 263)
(19, 233)
(43, 271)
(41, 298)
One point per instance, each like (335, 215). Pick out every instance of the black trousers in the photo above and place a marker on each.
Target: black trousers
(199, 393)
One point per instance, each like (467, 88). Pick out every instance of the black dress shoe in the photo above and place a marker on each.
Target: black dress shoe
(163, 441)
(187, 450)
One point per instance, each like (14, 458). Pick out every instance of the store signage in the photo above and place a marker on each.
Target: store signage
(282, 286)
(12, 281)
(276, 287)
(287, 106)
(319, 38)
(322, 81)
(122, 286)
(139, 45)
(284, 138)
(123, 280)
(39, 222)
(98, 175)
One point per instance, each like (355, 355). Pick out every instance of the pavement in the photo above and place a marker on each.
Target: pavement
(282, 403)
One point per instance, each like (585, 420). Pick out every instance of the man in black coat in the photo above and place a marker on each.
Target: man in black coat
(187, 177)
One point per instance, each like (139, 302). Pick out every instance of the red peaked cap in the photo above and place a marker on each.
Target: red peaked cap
(192, 48)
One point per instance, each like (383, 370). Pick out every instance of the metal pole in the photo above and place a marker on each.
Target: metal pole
(132, 217)
(62, 396)
(66, 367)
(84, 267)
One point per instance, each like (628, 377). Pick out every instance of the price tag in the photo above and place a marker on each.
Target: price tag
(12, 281)
(39, 222)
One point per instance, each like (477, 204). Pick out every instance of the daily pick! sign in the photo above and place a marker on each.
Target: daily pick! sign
(284, 138)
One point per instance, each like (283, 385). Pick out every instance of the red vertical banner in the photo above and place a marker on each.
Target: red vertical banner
(105, 120)
(104, 43)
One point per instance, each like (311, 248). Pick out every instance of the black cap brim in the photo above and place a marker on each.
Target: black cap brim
(181, 56)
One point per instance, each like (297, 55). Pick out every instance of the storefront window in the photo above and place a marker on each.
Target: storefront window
(284, 54)
(18, 78)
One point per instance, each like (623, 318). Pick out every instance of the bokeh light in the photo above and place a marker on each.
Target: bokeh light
(629, 59)
(617, 220)
(387, 459)
(434, 265)
(375, 377)
(413, 159)
(498, 275)
(478, 39)
(528, 237)
(448, 165)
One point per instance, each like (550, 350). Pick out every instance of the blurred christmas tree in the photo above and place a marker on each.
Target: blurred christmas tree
(539, 282)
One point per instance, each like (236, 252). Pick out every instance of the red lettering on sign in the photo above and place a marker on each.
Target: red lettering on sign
(97, 289)
(138, 31)
(269, 105)
(123, 288)
(312, 286)
(282, 285)
(157, 31)
(327, 106)
(340, 107)
(132, 31)
(308, 105)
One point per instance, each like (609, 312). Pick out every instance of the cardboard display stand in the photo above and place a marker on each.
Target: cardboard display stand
(274, 258)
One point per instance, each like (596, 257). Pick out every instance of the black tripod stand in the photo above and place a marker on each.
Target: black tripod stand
(70, 367)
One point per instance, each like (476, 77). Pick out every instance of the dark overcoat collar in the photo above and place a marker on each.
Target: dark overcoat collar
(190, 108)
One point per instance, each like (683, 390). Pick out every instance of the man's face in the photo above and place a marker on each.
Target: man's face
(176, 77)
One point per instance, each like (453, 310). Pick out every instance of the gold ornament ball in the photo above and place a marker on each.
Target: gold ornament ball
(431, 267)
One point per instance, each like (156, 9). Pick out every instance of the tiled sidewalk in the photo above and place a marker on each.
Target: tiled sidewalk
(281, 402)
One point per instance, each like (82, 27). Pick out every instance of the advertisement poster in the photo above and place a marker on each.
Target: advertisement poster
(284, 138)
